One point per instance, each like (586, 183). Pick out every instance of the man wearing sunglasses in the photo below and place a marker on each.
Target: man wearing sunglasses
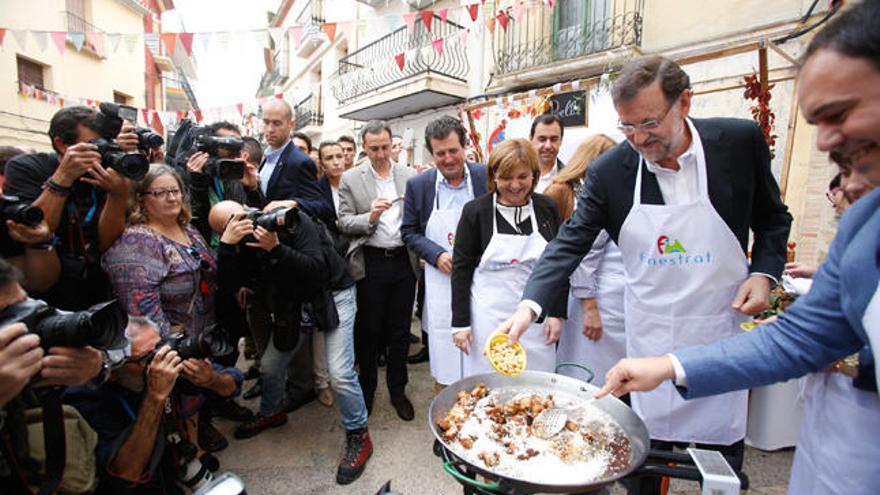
(679, 198)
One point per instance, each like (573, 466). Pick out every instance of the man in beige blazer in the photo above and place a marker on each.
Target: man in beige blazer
(371, 214)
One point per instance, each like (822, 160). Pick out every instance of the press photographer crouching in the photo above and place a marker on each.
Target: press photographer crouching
(43, 350)
(288, 259)
(82, 191)
(145, 417)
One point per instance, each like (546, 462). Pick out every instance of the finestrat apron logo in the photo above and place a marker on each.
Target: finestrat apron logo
(513, 263)
(673, 253)
(450, 238)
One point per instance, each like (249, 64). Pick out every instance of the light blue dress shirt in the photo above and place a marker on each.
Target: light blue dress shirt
(272, 157)
(451, 197)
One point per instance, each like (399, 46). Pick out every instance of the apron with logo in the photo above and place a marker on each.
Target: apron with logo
(600, 355)
(496, 290)
(445, 357)
(683, 267)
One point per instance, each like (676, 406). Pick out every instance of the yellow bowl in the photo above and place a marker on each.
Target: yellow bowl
(498, 341)
(747, 326)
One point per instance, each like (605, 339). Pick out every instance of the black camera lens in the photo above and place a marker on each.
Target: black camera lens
(132, 165)
(12, 208)
(102, 326)
(147, 139)
(212, 342)
(225, 169)
(278, 219)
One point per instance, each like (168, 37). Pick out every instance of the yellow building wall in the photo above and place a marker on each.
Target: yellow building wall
(24, 121)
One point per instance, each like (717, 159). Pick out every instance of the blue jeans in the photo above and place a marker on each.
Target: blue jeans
(340, 362)
(273, 374)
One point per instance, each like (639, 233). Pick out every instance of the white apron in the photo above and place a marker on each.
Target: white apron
(683, 267)
(497, 288)
(601, 355)
(445, 357)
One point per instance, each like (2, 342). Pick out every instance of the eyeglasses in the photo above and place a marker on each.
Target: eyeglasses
(648, 125)
(162, 193)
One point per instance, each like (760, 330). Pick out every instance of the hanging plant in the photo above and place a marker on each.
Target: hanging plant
(761, 112)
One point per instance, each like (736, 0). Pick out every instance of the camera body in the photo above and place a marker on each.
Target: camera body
(220, 149)
(277, 220)
(102, 326)
(147, 139)
(13, 208)
(127, 164)
(211, 342)
(110, 118)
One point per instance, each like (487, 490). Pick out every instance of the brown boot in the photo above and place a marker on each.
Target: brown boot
(358, 449)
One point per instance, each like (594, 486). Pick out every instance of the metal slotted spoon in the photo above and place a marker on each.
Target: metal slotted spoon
(549, 422)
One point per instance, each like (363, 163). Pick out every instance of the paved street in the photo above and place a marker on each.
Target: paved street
(301, 456)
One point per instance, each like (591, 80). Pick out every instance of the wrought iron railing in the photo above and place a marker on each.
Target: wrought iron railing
(76, 24)
(576, 29)
(308, 112)
(312, 13)
(374, 66)
(181, 82)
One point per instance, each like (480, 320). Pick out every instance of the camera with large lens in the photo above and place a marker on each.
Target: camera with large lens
(110, 118)
(220, 149)
(277, 220)
(211, 342)
(132, 165)
(102, 326)
(12, 208)
(147, 139)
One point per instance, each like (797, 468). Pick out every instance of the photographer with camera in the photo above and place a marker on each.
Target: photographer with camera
(82, 194)
(146, 441)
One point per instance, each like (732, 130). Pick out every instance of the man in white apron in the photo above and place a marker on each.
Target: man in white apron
(432, 207)
(680, 198)
(839, 443)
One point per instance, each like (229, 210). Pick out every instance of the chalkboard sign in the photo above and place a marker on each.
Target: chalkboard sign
(571, 108)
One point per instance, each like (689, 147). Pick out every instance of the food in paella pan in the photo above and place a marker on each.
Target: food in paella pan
(487, 430)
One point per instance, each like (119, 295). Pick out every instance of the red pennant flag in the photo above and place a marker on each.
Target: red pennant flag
(186, 39)
(552, 3)
(473, 10)
(59, 38)
(477, 114)
(240, 108)
(146, 115)
(157, 124)
(169, 40)
(490, 23)
(90, 103)
(444, 13)
(279, 96)
(427, 16)
(410, 20)
(61, 102)
(330, 30)
(400, 58)
(438, 46)
(198, 113)
(503, 19)
(2, 35)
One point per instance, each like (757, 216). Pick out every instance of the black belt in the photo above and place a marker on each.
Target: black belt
(386, 252)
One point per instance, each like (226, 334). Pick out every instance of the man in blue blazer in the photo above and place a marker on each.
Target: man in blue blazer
(837, 92)
(432, 206)
(286, 172)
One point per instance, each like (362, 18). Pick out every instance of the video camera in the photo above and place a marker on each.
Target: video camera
(102, 326)
(277, 220)
(12, 208)
(109, 122)
(191, 138)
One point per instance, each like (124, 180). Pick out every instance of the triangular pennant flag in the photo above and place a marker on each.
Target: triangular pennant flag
(169, 40)
(517, 11)
(503, 18)
(61, 102)
(410, 19)
(473, 9)
(438, 46)
(490, 24)
(186, 41)
(131, 41)
(41, 37)
(240, 108)
(427, 17)
(2, 35)
(146, 115)
(276, 33)
(477, 114)
(198, 114)
(462, 37)
(400, 58)
(50, 98)
(444, 13)
(77, 39)
(330, 31)
(20, 38)
(113, 42)
(552, 3)
(96, 39)
(296, 32)
(204, 40)
(181, 115)
(89, 102)
(223, 40)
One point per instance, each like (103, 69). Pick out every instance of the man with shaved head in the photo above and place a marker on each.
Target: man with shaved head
(286, 172)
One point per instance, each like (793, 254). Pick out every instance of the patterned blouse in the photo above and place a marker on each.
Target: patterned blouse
(170, 283)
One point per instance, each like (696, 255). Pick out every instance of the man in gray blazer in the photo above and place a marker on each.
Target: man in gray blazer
(371, 213)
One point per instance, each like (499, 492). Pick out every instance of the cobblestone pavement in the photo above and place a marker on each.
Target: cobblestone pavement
(300, 457)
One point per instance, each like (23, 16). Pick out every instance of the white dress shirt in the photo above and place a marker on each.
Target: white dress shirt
(544, 180)
(387, 234)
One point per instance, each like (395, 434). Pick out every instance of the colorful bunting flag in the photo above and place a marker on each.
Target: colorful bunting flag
(444, 13)
(490, 24)
(473, 9)
(41, 37)
(400, 59)
(330, 31)
(438, 46)
(427, 17)
(410, 19)
(2, 35)
(113, 42)
(77, 39)
(169, 40)
(503, 19)
(186, 41)
(296, 32)
(517, 11)
(96, 40)
(20, 38)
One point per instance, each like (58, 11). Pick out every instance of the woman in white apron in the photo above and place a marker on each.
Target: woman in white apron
(499, 239)
(601, 277)
(683, 268)
(446, 359)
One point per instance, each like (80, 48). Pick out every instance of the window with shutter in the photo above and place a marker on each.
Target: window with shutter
(30, 73)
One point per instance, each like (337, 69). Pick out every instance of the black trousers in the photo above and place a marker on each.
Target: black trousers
(650, 485)
(385, 304)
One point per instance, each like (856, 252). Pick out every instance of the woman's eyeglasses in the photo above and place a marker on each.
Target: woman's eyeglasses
(162, 193)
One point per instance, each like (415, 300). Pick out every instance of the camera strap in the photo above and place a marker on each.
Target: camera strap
(55, 445)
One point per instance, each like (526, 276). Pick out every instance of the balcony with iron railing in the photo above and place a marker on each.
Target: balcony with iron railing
(373, 70)
(76, 24)
(308, 112)
(582, 29)
(311, 17)
(178, 82)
